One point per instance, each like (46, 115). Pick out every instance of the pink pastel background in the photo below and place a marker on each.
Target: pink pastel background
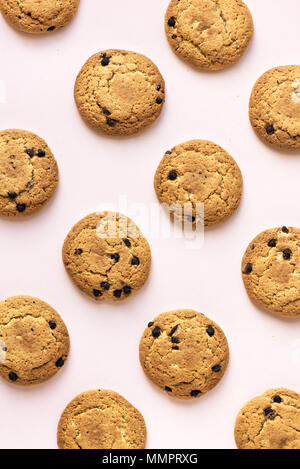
(38, 74)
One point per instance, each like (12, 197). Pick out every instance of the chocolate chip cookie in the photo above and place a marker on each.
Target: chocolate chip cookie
(28, 173)
(119, 92)
(274, 107)
(184, 353)
(210, 34)
(198, 173)
(36, 16)
(271, 271)
(101, 419)
(107, 256)
(270, 421)
(34, 340)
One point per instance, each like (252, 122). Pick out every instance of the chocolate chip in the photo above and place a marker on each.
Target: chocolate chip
(127, 242)
(156, 332)
(51, 28)
(105, 285)
(270, 129)
(135, 261)
(21, 207)
(190, 218)
(52, 324)
(252, 247)
(60, 362)
(158, 100)
(4, 349)
(171, 22)
(12, 376)
(30, 152)
(97, 293)
(268, 411)
(175, 340)
(172, 175)
(210, 331)
(174, 330)
(12, 195)
(284, 229)
(277, 399)
(195, 393)
(111, 122)
(248, 269)
(106, 111)
(174, 36)
(127, 290)
(29, 13)
(118, 293)
(150, 324)
(175, 347)
(115, 256)
(287, 253)
(158, 88)
(78, 251)
(104, 60)
(272, 243)
(168, 389)
(216, 368)
(41, 153)
(168, 152)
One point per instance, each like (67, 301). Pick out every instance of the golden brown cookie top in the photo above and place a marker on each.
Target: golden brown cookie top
(274, 107)
(34, 340)
(36, 16)
(101, 419)
(28, 173)
(107, 256)
(198, 172)
(271, 271)
(210, 34)
(184, 353)
(119, 92)
(270, 421)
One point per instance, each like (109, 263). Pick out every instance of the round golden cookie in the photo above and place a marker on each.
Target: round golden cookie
(101, 419)
(209, 34)
(119, 92)
(270, 421)
(28, 173)
(38, 16)
(199, 172)
(184, 353)
(274, 107)
(34, 341)
(271, 271)
(107, 256)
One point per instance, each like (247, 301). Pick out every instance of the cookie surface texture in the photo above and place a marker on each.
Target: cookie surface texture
(107, 256)
(38, 16)
(271, 271)
(209, 34)
(199, 172)
(184, 353)
(270, 421)
(34, 340)
(274, 107)
(119, 92)
(101, 419)
(28, 173)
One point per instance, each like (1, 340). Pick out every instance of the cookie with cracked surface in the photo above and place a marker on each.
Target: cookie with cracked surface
(209, 34)
(28, 173)
(274, 107)
(107, 256)
(199, 172)
(119, 92)
(101, 419)
(36, 16)
(184, 353)
(271, 271)
(34, 340)
(270, 421)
